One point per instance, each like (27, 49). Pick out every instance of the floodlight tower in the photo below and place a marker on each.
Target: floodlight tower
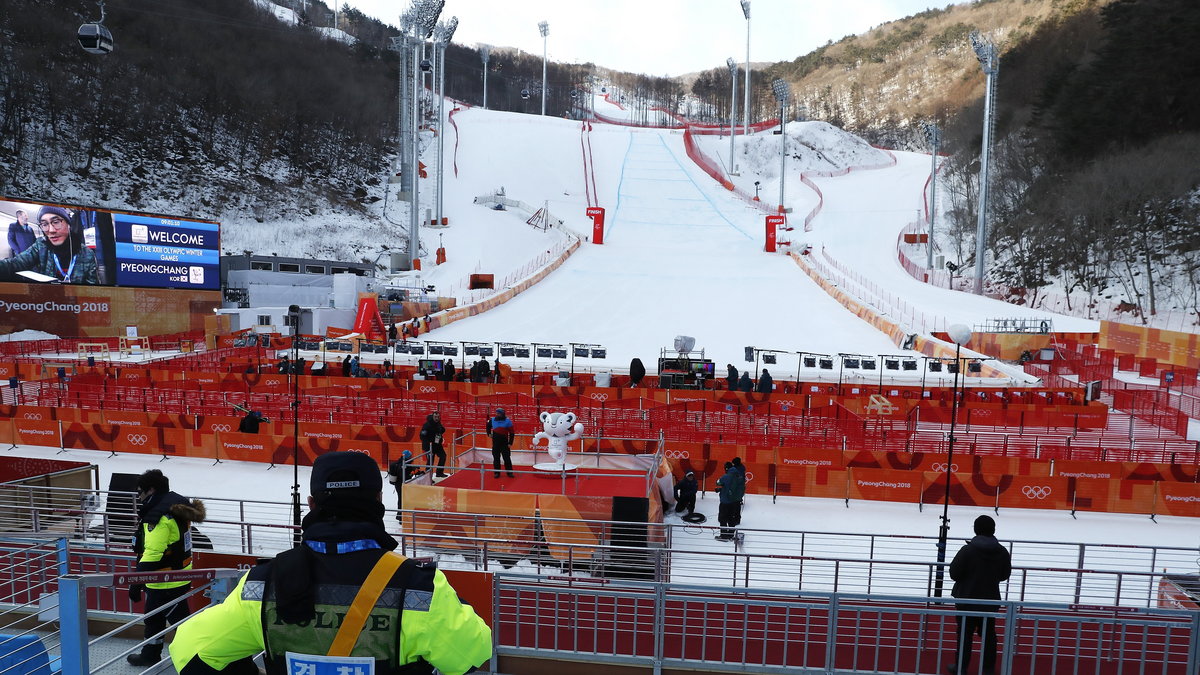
(732, 110)
(485, 53)
(746, 102)
(782, 94)
(933, 135)
(985, 51)
(445, 31)
(544, 29)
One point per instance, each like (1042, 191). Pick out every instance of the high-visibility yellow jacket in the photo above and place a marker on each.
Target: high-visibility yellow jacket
(163, 540)
(417, 623)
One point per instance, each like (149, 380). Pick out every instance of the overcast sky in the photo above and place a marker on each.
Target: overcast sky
(660, 37)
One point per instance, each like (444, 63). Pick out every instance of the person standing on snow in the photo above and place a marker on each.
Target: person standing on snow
(977, 570)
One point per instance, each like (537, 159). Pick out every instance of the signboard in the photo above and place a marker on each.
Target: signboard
(596, 213)
(80, 245)
(773, 223)
(163, 577)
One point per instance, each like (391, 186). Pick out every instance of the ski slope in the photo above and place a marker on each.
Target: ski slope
(682, 255)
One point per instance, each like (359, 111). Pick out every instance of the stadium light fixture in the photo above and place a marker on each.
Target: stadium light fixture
(960, 335)
(746, 95)
(544, 29)
(783, 94)
(733, 68)
(933, 136)
(985, 51)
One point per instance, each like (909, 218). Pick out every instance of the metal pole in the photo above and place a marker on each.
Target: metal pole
(545, 30)
(485, 53)
(944, 530)
(732, 112)
(414, 220)
(782, 151)
(985, 51)
(441, 175)
(746, 102)
(294, 311)
(936, 138)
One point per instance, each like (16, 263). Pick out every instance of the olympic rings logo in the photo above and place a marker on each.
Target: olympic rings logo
(749, 476)
(676, 454)
(427, 389)
(222, 427)
(33, 416)
(138, 439)
(600, 396)
(1036, 491)
(940, 467)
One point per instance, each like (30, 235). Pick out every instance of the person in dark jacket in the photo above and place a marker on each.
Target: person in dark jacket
(731, 376)
(60, 253)
(448, 371)
(500, 430)
(399, 472)
(731, 489)
(636, 372)
(346, 366)
(251, 422)
(431, 441)
(20, 234)
(977, 570)
(400, 614)
(746, 384)
(685, 493)
(765, 383)
(161, 542)
(392, 333)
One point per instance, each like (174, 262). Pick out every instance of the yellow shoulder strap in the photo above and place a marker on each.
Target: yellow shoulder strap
(364, 602)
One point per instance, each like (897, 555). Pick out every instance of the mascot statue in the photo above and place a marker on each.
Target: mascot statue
(558, 431)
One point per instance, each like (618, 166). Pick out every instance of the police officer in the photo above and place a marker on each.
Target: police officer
(500, 430)
(301, 606)
(162, 541)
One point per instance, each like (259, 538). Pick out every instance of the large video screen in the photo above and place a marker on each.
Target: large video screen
(65, 244)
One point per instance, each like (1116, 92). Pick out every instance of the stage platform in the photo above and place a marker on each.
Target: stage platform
(584, 481)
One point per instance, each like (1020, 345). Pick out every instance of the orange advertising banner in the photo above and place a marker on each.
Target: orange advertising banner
(436, 521)
(45, 433)
(124, 418)
(217, 423)
(1066, 468)
(34, 413)
(250, 447)
(811, 481)
(566, 534)
(1182, 473)
(1178, 499)
(884, 485)
(1033, 492)
(88, 436)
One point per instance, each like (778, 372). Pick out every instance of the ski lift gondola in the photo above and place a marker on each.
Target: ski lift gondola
(95, 38)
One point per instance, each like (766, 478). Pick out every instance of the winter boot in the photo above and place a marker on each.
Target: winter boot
(510, 475)
(150, 655)
(497, 474)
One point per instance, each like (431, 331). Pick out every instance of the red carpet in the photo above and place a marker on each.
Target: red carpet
(595, 482)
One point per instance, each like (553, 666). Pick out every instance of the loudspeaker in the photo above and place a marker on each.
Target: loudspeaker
(630, 515)
(749, 354)
(121, 506)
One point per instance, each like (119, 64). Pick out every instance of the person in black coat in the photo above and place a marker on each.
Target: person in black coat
(346, 366)
(977, 570)
(636, 372)
(765, 383)
(251, 422)
(685, 493)
(731, 377)
(431, 441)
(746, 384)
(448, 371)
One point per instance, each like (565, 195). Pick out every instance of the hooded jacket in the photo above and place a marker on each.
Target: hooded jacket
(732, 486)
(163, 539)
(977, 570)
(431, 431)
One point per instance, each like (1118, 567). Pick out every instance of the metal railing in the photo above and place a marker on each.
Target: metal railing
(681, 552)
(660, 626)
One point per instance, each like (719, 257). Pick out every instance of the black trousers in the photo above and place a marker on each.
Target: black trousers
(968, 626)
(499, 454)
(686, 504)
(440, 453)
(157, 597)
(727, 516)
